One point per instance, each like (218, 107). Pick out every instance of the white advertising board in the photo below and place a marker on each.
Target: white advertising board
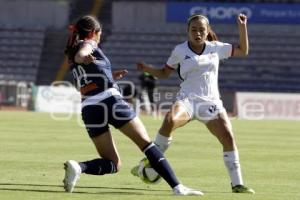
(253, 105)
(57, 99)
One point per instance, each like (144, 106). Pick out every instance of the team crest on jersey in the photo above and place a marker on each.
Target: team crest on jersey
(212, 55)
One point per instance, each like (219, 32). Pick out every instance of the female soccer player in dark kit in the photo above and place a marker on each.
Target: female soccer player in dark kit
(103, 105)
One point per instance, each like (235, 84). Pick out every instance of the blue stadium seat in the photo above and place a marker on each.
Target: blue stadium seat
(20, 54)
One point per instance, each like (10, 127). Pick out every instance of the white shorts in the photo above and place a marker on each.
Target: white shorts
(201, 110)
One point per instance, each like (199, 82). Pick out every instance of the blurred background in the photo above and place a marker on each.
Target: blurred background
(33, 34)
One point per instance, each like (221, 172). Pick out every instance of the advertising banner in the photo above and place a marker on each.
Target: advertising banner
(253, 105)
(58, 99)
(273, 13)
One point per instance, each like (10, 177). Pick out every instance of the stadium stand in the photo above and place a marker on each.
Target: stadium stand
(272, 65)
(53, 51)
(22, 36)
(20, 53)
(52, 56)
(55, 40)
(127, 46)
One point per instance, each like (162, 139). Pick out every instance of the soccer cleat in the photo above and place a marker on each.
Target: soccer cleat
(72, 174)
(182, 190)
(135, 171)
(242, 189)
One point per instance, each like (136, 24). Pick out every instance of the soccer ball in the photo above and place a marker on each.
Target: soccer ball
(147, 173)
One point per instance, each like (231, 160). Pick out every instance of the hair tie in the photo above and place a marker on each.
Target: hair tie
(72, 28)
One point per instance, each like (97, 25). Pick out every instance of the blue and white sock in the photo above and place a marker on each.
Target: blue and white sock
(98, 166)
(160, 164)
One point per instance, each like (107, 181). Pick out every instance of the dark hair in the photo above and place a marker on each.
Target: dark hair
(211, 34)
(82, 30)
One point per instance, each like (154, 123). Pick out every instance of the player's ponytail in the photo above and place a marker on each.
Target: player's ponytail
(82, 30)
(212, 36)
(72, 41)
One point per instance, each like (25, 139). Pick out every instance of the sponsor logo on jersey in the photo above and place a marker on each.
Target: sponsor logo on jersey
(186, 57)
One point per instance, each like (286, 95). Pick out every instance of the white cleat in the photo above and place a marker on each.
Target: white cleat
(72, 174)
(182, 190)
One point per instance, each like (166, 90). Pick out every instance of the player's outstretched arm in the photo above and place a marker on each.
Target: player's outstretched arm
(243, 47)
(162, 73)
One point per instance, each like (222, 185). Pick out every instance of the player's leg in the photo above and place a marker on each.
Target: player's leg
(222, 129)
(96, 119)
(136, 131)
(177, 116)
(98, 130)
(108, 163)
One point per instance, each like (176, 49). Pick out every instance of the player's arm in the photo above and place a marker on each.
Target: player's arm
(243, 46)
(84, 54)
(158, 73)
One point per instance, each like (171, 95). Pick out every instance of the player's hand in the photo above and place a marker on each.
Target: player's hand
(118, 74)
(141, 66)
(88, 59)
(242, 19)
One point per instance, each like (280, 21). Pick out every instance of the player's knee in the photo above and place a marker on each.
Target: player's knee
(171, 120)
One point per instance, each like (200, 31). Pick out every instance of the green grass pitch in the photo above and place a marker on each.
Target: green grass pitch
(33, 148)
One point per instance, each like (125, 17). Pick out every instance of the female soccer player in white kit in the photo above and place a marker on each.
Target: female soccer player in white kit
(197, 63)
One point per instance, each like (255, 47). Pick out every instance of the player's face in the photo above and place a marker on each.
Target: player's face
(198, 31)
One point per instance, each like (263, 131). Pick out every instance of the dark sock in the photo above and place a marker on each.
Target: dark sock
(160, 164)
(98, 166)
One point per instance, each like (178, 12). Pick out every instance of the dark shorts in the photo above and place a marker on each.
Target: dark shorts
(113, 110)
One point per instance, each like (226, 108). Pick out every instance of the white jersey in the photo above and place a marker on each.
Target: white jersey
(199, 72)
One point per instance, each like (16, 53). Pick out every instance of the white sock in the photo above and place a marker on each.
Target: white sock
(162, 142)
(232, 163)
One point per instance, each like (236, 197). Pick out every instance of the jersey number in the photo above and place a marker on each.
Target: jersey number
(80, 76)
